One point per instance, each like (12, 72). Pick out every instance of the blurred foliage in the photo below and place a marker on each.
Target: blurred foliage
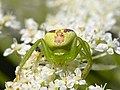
(24, 9)
(37, 10)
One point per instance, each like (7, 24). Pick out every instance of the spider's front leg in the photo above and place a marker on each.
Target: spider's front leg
(73, 51)
(45, 49)
(84, 50)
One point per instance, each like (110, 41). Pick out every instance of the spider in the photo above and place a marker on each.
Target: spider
(60, 47)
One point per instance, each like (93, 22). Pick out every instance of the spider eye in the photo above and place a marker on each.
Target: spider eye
(51, 31)
(59, 38)
(68, 30)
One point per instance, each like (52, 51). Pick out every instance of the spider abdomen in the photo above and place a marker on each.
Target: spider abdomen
(60, 38)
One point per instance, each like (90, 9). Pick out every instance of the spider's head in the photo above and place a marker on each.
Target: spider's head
(60, 38)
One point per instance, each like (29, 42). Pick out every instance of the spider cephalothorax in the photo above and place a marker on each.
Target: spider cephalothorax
(60, 47)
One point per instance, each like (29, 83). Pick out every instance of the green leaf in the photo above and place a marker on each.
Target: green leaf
(117, 59)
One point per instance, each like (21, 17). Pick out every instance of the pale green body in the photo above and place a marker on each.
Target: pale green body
(60, 47)
(68, 39)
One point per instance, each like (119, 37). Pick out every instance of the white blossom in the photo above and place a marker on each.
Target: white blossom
(8, 51)
(110, 51)
(82, 82)
(43, 88)
(31, 24)
(97, 87)
(31, 33)
(8, 20)
(46, 73)
(101, 47)
(90, 16)
(117, 50)
(20, 48)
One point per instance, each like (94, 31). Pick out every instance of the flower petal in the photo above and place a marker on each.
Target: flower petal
(82, 82)
(43, 88)
(107, 37)
(8, 51)
(117, 50)
(78, 72)
(110, 51)
(101, 47)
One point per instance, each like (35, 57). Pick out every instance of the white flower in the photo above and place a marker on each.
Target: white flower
(72, 89)
(97, 87)
(117, 50)
(110, 51)
(63, 88)
(78, 72)
(82, 82)
(8, 84)
(38, 35)
(11, 22)
(31, 32)
(8, 20)
(8, 51)
(31, 24)
(95, 22)
(43, 88)
(25, 86)
(101, 47)
(113, 44)
(116, 46)
(47, 73)
(20, 48)
(70, 83)
(59, 83)
(51, 86)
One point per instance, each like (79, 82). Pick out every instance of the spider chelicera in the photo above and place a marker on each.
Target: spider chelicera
(60, 47)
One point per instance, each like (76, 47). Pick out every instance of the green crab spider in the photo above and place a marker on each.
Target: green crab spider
(60, 47)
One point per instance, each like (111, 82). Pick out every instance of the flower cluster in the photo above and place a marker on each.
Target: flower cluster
(90, 23)
(88, 20)
(34, 76)
(30, 34)
(8, 20)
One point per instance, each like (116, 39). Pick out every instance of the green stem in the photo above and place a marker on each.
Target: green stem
(99, 56)
(96, 57)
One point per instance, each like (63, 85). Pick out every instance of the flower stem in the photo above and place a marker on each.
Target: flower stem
(99, 56)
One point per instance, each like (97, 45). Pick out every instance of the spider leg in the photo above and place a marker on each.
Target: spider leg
(45, 50)
(85, 51)
(73, 51)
